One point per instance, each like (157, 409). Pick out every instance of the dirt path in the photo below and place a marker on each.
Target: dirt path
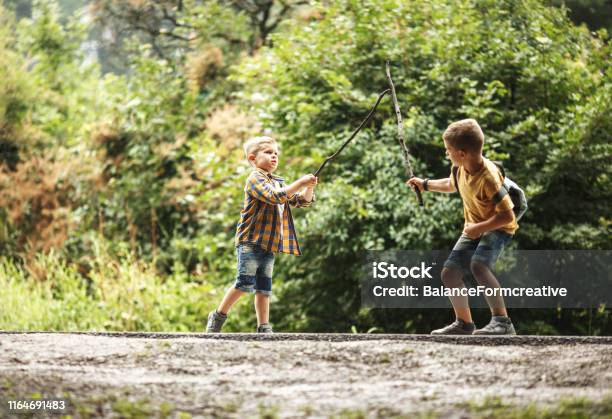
(286, 375)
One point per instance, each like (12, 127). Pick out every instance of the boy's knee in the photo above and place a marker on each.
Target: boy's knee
(478, 269)
(450, 276)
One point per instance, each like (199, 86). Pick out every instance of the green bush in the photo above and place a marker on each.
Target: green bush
(117, 293)
(120, 193)
(538, 85)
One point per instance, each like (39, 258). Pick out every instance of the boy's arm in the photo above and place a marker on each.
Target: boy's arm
(259, 188)
(309, 194)
(302, 200)
(445, 185)
(304, 181)
(500, 219)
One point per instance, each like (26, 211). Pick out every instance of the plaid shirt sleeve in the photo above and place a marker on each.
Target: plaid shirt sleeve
(298, 201)
(259, 188)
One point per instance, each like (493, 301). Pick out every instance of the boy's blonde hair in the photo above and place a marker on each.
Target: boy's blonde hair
(465, 135)
(255, 144)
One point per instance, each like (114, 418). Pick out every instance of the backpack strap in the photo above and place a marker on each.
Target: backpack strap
(499, 195)
(504, 189)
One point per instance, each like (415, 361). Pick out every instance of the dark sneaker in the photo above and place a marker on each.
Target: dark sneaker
(458, 327)
(499, 325)
(264, 328)
(215, 322)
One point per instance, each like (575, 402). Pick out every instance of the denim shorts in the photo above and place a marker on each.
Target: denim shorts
(255, 267)
(485, 249)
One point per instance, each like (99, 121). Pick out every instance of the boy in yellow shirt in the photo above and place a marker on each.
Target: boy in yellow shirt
(489, 226)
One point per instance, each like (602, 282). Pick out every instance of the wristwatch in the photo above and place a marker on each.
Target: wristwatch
(425, 187)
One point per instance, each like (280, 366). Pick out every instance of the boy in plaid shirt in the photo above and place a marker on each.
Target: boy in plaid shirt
(265, 227)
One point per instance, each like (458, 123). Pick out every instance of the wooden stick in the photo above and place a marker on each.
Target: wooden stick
(400, 134)
(365, 121)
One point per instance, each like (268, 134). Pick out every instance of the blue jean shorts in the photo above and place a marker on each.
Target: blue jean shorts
(255, 266)
(485, 249)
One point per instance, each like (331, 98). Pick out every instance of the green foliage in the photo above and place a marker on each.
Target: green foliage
(14, 92)
(120, 193)
(117, 293)
(520, 68)
(64, 83)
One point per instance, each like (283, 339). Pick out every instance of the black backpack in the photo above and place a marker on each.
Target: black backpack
(509, 187)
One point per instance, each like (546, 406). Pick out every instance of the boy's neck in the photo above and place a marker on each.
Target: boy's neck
(263, 170)
(473, 166)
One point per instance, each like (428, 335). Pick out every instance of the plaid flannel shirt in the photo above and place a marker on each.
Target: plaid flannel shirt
(260, 219)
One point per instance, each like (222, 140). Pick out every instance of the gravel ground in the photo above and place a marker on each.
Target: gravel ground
(306, 375)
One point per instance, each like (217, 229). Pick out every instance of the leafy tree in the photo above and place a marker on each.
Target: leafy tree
(539, 86)
(173, 28)
(14, 88)
(148, 163)
(46, 99)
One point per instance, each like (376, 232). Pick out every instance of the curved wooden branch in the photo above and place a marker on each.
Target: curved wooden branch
(365, 121)
(400, 134)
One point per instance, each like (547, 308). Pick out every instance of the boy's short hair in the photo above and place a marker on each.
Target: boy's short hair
(465, 135)
(255, 144)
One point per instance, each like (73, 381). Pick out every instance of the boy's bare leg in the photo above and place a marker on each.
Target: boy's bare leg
(485, 277)
(452, 278)
(231, 296)
(262, 308)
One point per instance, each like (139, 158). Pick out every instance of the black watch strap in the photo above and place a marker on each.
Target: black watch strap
(425, 187)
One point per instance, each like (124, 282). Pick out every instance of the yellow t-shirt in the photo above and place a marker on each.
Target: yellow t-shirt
(477, 191)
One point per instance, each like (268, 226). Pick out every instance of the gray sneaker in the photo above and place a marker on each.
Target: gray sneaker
(499, 325)
(458, 327)
(264, 328)
(215, 322)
